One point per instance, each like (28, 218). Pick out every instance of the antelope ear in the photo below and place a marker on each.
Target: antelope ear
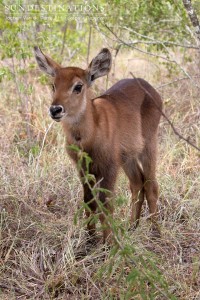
(100, 65)
(45, 63)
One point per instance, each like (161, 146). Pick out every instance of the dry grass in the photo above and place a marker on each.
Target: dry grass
(43, 254)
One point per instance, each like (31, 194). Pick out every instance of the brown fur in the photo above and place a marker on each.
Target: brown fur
(117, 129)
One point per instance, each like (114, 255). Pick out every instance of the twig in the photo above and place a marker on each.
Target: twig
(43, 142)
(8, 287)
(20, 95)
(89, 44)
(104, 36)
(162, 43)
(153, 41)
(64, 38)
(13, 242)
(175, 81)
(27, 101)
(115, 56)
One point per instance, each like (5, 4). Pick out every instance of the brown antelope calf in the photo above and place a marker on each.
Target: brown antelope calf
(119, 128)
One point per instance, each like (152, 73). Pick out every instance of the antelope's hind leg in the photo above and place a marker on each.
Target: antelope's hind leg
(148, 160)
(136, 178)
(151, 189)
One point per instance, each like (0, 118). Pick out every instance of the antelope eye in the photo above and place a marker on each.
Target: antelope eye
(53, 87)
(78, 88)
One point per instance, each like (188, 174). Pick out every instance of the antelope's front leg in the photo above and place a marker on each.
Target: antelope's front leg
(104, 219)
(105, 206)
(90, 209)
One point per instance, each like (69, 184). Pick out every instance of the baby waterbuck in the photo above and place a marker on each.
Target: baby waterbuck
(117, 129)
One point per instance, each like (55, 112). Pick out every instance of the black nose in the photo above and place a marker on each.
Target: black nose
(55, 110)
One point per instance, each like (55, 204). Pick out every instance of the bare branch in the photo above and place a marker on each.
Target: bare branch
(89, 44)
(153, 41)
(163, 43)
(175, 81)
(153, 54)
(64, 37)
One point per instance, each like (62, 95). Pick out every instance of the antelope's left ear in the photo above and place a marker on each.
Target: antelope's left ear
(45, 63)
(100, 65)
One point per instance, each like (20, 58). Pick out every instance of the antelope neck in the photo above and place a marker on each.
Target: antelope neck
(81, 129)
